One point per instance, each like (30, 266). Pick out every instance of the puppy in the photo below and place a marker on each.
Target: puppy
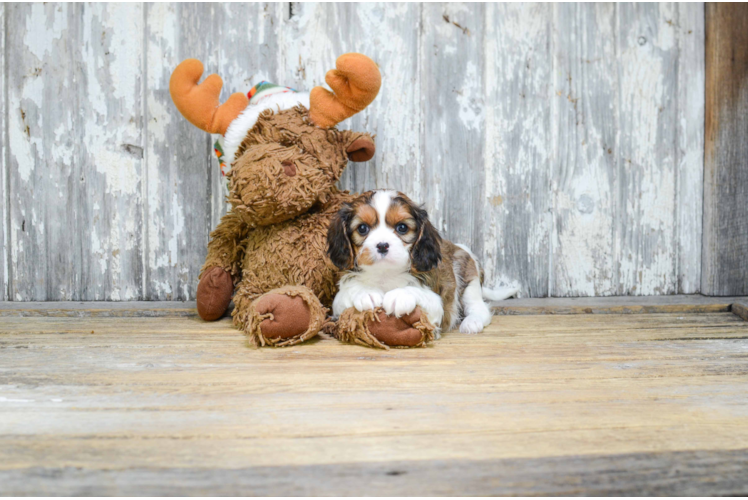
(395, 259)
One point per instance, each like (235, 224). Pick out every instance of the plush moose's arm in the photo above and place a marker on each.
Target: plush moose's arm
(225, 249)
(222, 268)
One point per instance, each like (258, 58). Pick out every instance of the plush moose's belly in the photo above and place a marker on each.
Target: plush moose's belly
(293, 253)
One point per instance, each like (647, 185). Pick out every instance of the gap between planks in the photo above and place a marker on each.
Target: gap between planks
(684, 304)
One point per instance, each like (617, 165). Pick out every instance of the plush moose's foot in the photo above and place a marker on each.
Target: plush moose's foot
(374, 328)
(283, 317)
(214, 293)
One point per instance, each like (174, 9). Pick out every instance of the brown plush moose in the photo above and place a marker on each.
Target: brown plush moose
(282, 156)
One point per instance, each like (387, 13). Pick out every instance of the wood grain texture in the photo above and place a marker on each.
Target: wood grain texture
(109, 104)
(690, 145)
(96, 405)
(4, 171)
(562, 143)
(516, 194)
(740, 309)
(75, 152)
(178, 156)
(685, 473)
(47, 182)
(675, 304)
(684, 304)
(451, 63)
(614, 66)
(129, 309)
(585, 175)
(646, 163)
(725, 249)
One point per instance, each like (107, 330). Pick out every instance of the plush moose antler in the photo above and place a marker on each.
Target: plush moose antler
(199, 103)
(356, 83)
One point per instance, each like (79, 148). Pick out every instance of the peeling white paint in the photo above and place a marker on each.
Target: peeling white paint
(177, 229)
(127, 51)
(20, 146)
(471, 111)
(39, 20)
(4, 188)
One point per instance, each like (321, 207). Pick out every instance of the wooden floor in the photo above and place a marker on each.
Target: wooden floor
(536, 404)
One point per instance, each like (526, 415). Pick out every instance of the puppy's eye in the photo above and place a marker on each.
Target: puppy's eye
(362, 229)
(401, 228)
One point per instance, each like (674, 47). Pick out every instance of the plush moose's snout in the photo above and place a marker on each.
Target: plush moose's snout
(286, 165)
(362, 149)
(295, 183)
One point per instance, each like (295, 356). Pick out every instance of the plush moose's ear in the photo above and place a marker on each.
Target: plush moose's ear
(361, 149)
(425, 254)
(339, 247)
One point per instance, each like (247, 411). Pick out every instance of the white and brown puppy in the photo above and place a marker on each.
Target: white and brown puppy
(395, 259)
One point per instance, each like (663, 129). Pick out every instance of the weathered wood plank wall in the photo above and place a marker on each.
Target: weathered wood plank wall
(4, 216)
(564, 142)
(725, 258)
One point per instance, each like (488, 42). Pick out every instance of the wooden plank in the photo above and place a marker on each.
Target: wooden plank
(178, 155)
(690, 473)
(453, 91)
(647, 119)
(608, 163)
(98, 309)
(626, 398)
(682, 304)
(585, 176)
(725, 243)
(110, 154)
(740, 309)
(690, 146)
(517, 222)
(565, 330)
(44, 43)
(4, 151)
(75, 152)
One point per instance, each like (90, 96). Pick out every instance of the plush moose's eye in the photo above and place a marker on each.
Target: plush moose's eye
(401, 228)
(362, 229)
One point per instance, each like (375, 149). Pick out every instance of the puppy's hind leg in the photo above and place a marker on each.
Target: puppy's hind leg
(477, 313)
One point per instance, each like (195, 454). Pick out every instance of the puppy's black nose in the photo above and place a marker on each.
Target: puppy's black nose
(382, 248)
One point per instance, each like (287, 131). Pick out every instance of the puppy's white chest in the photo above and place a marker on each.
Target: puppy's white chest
(384, 281)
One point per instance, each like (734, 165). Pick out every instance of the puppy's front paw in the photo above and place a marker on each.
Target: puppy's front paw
(471, 324)
(365, 301)
(398, 302)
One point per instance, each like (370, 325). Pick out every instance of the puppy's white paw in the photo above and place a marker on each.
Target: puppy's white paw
(471, 324)
(398, 302)
(365, 301)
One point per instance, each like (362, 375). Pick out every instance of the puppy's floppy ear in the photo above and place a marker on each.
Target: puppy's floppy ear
(339, 247)
(426, 251)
